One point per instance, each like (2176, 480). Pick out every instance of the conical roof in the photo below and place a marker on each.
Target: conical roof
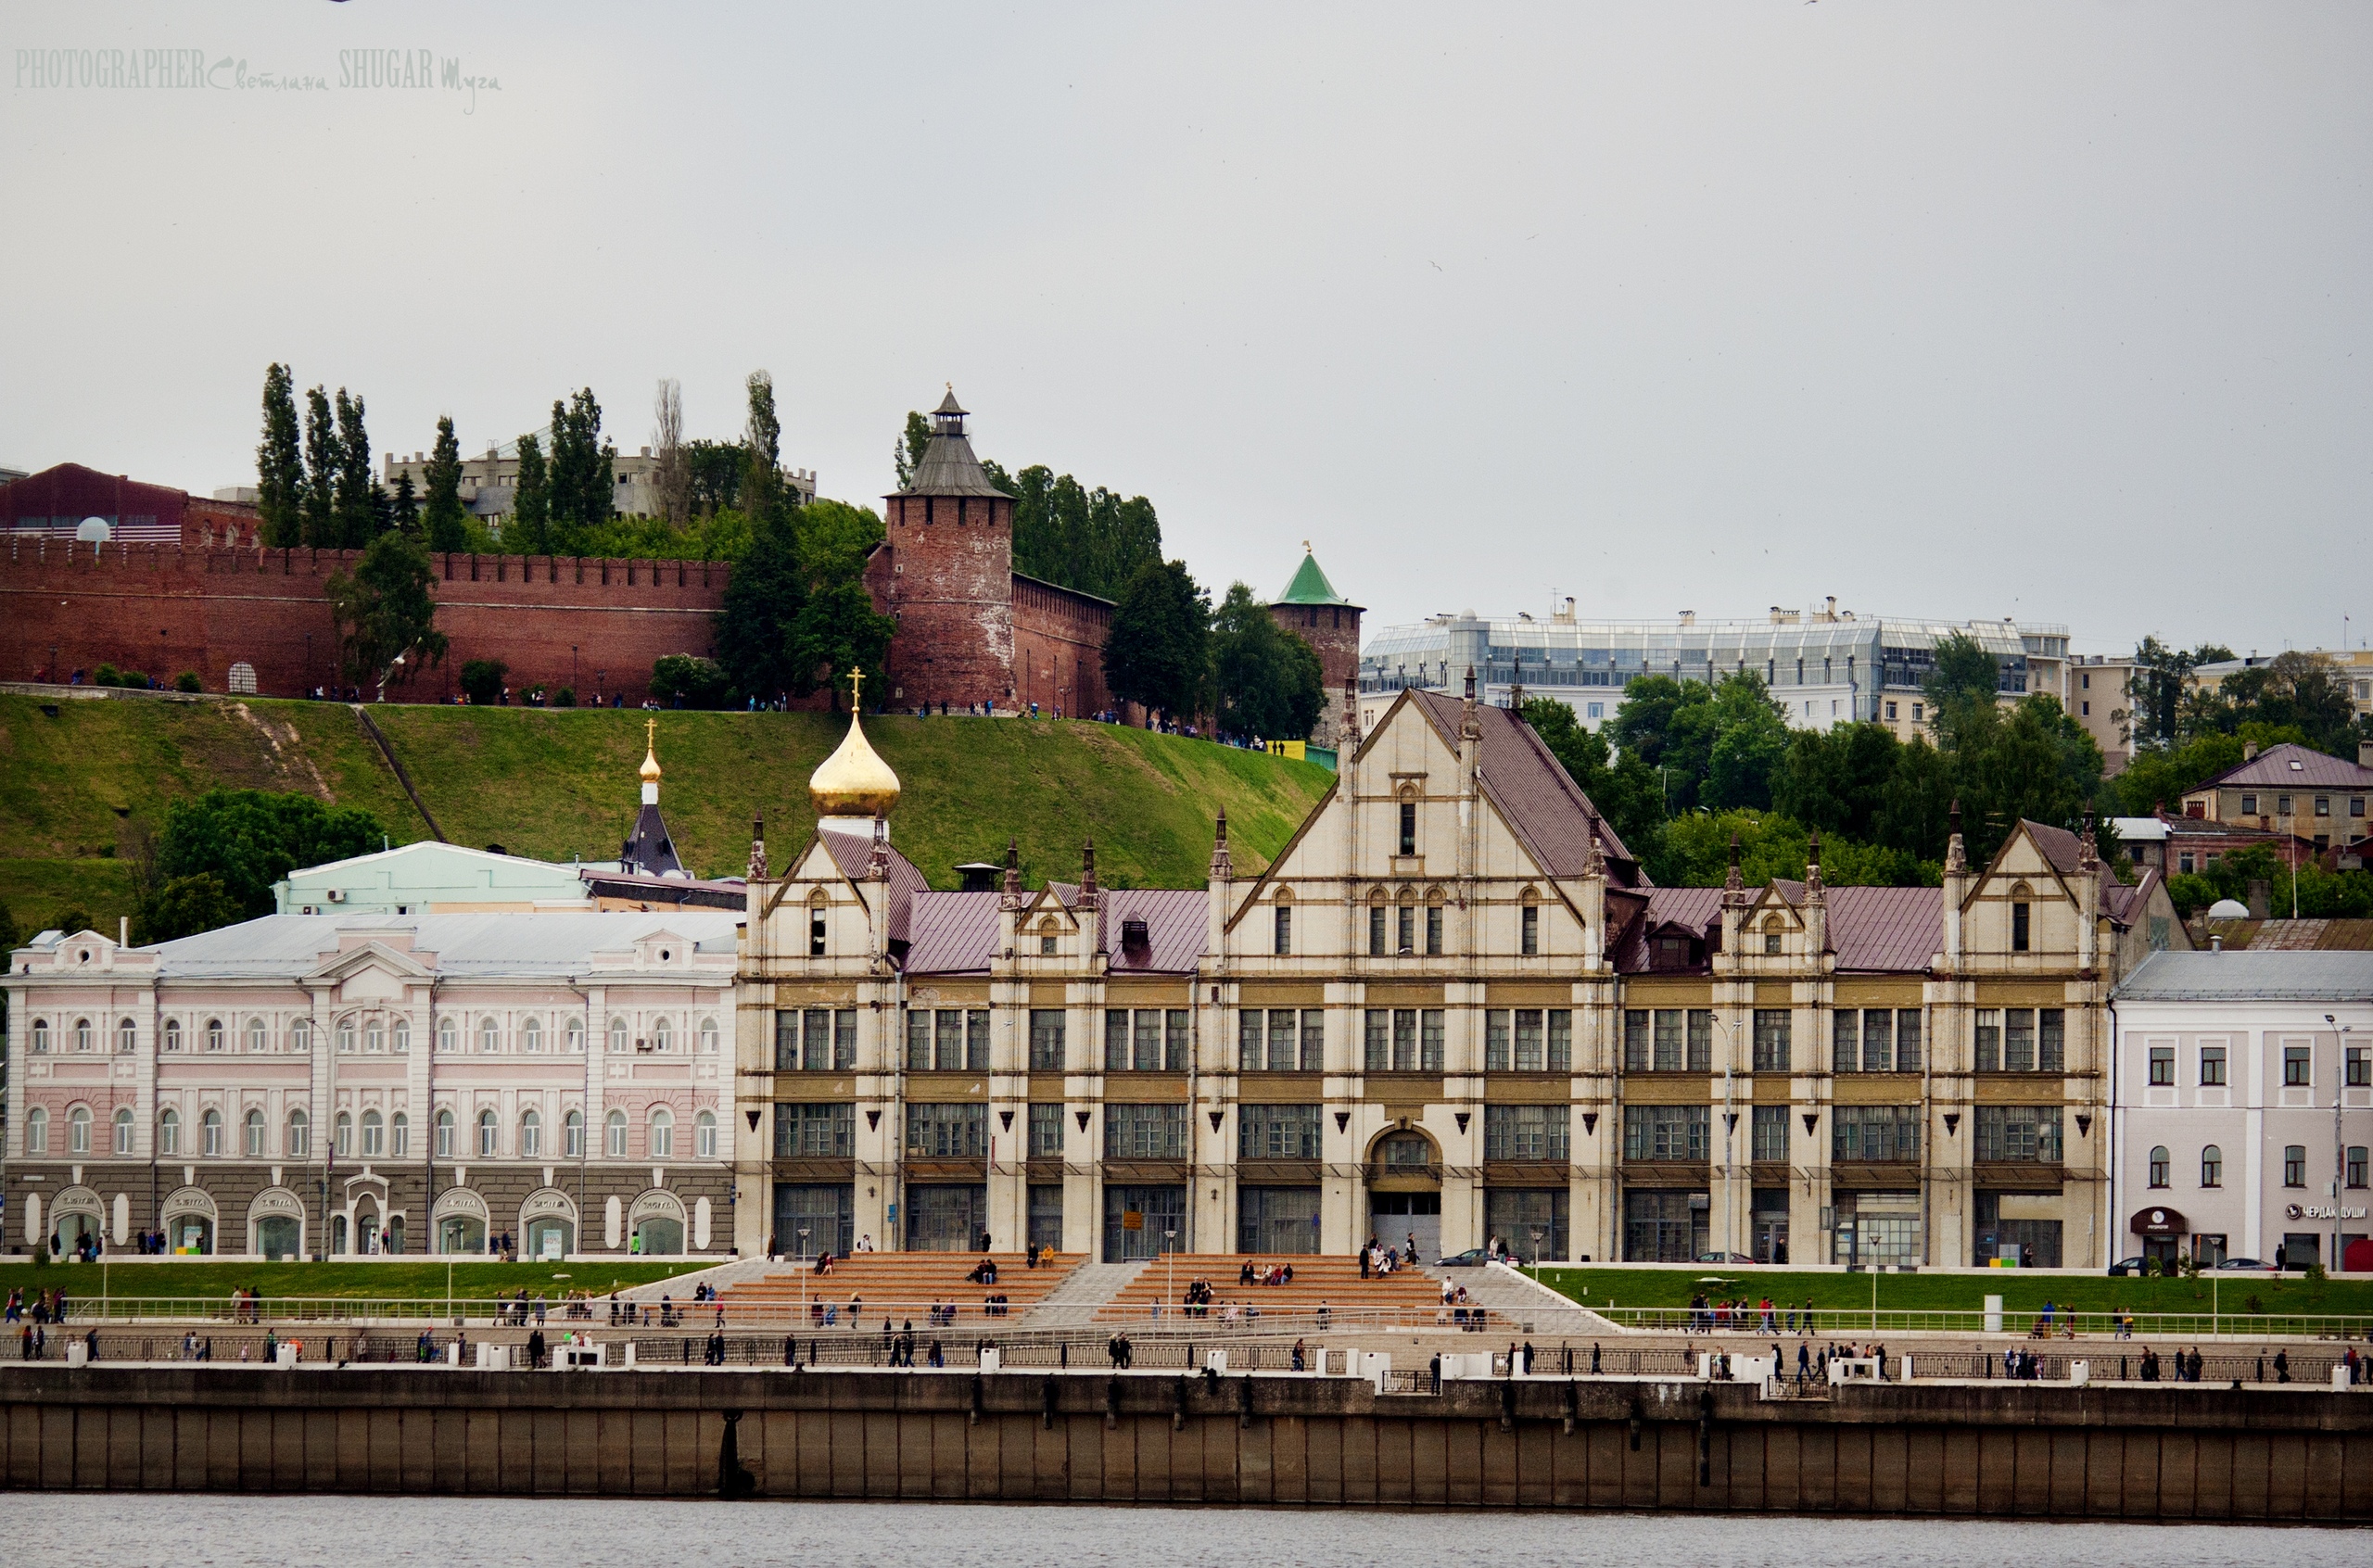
(948, 467)
(1310, 585)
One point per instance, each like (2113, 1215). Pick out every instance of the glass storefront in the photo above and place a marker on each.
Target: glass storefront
(1046, 1215)
(1664, 1225)
(1529, 1221)
(1876, 1230)
(822, 1209)
(1276, 1219)
(1158, 1210)
(2032, 1244)
(946, 1218)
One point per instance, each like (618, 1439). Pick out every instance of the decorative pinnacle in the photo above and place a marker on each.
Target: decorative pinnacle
(758, 846)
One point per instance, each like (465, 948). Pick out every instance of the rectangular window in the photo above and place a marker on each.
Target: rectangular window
(1285, 943)
(1146, 1040)
(1429, 1040)
(1404, 1040)
(845, 1039)
(1667, 1132)
(2249, 806)
(1277, 1131)
(1701, 1040)
(1046, 1040)
(2051, 1039)
(1135, 1131)
(1525, 1133)
(1845, 1047)
(1046, 1132)
(1495, 1040)
(1116, 1041)
(2323, 805)
(1878, 1040)
(1636, 1039)
(2019, 1133)
(1769, 1145)
(946, 1131)
(1377, 1039)
(976, 1040)
(2018, 1040)
(816, 1039)
(1874, 1132)
(1907, 1040)
(919, 1040)
(1376, 930)
(1314, 1039)
(1989, 1039)
(2295, 1165)
(1177, 1039)
(2019, 923)
(2163, 1065)
(1527, 1040)
(2297, 1067)
(1433, 930)
(1248, 1040)
(1405, 930)
(786, 1040)
(1669, 1021)
(1561, 1040)
(2356, 1177)
(1285, 1039)
(815, 1130)
(1532, 932)
(2360, 1066)
(1771, 1049)
(949, 1049)
(2211, 1064)
(1408, 827)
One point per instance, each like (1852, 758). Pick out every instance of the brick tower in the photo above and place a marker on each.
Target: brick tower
(1312, 610)
(949, 578)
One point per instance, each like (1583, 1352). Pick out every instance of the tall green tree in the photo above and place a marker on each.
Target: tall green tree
(531, 515)
(1962, 685)
(385, 614)
(183, 907)
(2155, 692)
(2031, 761)
(318, 525)
(584, 482)
(441, 517)
(1916, 803)
(2294, 690)
(403, 508)
(247, 839)
(906, 452)
(354, 518)
(837, 631)
(1064, 532)
(763, 599)
(2158, 777)
(1266, 681)
(713, 475)
(1157, 652)
(1833, 780)
(279, 463)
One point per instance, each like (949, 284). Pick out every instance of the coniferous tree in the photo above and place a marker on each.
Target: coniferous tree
(531, 517)
(354, 520)
(279, 463)
(318, 526)
(404, 509)
(441, 517)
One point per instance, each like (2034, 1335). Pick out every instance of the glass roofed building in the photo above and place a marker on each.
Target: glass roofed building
(1825, 666)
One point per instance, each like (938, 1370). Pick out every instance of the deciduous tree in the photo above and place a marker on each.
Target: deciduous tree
(531, 514)
(1266, 681)
(385, 614)
(355, 517)
(1157, 652)
(838, 630)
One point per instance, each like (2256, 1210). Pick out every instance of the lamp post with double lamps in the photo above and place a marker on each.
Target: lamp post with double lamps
(2340, 1144)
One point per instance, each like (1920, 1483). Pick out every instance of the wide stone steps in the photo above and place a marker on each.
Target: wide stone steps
(902, 1285)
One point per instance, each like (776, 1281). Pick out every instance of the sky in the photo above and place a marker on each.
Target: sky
(2057, 311)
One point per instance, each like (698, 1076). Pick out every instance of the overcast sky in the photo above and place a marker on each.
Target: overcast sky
(2057, 311)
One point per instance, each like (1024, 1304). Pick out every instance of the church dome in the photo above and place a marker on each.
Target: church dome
(853, 782)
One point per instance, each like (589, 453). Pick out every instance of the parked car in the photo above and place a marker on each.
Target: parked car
(2128, 1266)
(1724, 1258)
(1473, 1258)
(2247, 1266)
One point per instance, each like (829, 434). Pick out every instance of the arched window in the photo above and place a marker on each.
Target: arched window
(1049, 936)
(575, 1036)
(399, 1036)
(301, 1135)
(251, 1125)
(1376, 923)
(531, 1135)
(300, 1034)
(2212, 1167)
(127, 1036)
(2158, 1166)
(374, 1136)
(708, 1037)
(37, 1131)
(82, 1040)
(489, 1034)
(169, 1130)
(663, 1133)
(399, 1135)
(445, 1134)
(704, 1135)
(1528, 925)
(816, 924)
(257, 1038)
(41, 1035)
(1281, 935)
(346, 1034)
(615, 1135)
(375, 1036)
(210, 1126)
(617, 1035)
(490, 1133)
(78, 1131)
(531, 1035)
(342, 1135)
(2021, 917)
(1773, 929)
(172, 1035)
(123, 1130)
(214, 1034)
(573, 1133)
(448, 1037)
(663, 1034)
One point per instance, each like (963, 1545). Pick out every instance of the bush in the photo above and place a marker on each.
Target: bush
(107, 675)
(689, 681)
(564, 698)
(482, 681)
(2254, 1305)
(186, 906)
(187, 681)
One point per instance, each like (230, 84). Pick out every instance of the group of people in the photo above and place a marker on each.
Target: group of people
(1377, 1259)
(1458, 1310)
(1275, 1274)
(46, 1306)
(827, 1314)
(1707, 1316)
(901, 1346)
(985, 1272)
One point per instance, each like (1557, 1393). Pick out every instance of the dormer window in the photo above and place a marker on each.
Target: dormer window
(1773, 930)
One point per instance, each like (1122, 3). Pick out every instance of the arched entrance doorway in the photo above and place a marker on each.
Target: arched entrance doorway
(188, 1218)
(74, 1223)
(460, 1220)
(546, 1225)
(276, 1225)
(656, 1225)
(1405, 1192)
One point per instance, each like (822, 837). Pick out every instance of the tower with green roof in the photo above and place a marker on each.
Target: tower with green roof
(1312, 610)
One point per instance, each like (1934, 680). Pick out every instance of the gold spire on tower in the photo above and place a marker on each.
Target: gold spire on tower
(853, 781)
(650, 769)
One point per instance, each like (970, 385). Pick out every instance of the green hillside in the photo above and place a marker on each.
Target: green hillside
(76, 790)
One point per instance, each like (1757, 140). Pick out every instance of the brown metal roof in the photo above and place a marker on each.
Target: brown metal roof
(956, 933)
(951, 933)
(1540, 801)
(1873, 931)
(853, 853)
(2291, 766)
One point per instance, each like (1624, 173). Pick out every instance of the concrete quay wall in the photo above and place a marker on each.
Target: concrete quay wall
(2180, 1453)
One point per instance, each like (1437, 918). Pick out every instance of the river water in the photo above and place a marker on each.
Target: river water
(67, 1530)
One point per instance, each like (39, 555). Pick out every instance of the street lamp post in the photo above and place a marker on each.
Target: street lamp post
(2340, 1144)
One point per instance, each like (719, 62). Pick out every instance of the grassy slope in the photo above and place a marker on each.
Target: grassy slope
(77, 790)
(2023, 1294)
(188, 1279)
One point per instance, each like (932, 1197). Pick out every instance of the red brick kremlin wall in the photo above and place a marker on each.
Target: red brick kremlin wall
(1059, 648)
(161, 610)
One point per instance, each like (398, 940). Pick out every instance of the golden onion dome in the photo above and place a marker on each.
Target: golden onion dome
(853, 782)
(650, 769)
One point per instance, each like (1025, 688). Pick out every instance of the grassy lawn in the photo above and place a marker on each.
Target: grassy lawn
(418, 1282)
(2022, 1295)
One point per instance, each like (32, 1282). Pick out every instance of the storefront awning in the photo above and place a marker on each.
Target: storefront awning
(2158, 1222)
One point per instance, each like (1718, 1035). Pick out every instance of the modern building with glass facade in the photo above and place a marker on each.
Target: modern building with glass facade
(1452, 1008)
(1825, 666)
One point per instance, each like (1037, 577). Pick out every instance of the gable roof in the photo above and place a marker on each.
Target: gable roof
(1540, 801)
(1310, 586)
(956, 933)
(1871, 930)
(852, 854)
(2170, 976)
(2291, 765)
